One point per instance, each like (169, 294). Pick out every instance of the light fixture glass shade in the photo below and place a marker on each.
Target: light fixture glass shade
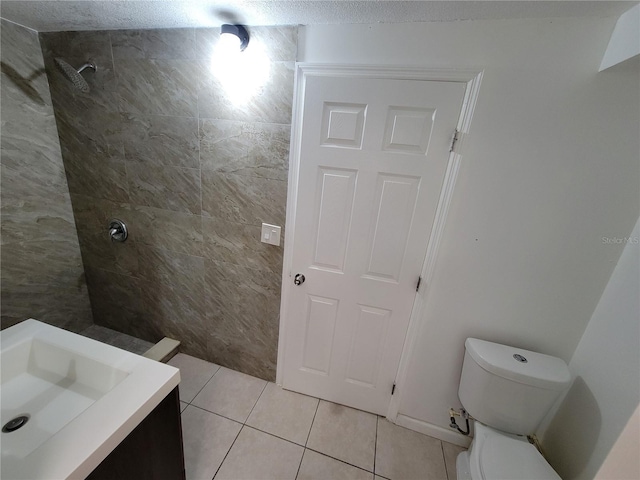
(229, 42)
(237, 31)
(241, 73)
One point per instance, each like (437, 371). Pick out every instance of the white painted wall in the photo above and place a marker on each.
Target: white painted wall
(623, 461)
(551, 165)
(606, 367)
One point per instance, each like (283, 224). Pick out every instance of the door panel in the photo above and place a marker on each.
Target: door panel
(367, 346)
(408, 130)
(320, 322)
(335, 192)
(394, 202)
(343, 124)
(373, 154)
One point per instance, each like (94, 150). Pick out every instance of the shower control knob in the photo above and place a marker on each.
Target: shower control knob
(298, 279)
(117, 230)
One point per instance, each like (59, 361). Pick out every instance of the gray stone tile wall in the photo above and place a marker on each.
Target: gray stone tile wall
(41, 272)
(158, 143)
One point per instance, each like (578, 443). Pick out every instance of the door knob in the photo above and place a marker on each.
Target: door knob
(298, 279)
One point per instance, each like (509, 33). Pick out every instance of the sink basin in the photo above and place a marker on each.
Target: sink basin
(51, 386)
(80, 398)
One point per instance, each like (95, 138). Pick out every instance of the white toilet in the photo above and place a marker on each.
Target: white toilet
(508, 391)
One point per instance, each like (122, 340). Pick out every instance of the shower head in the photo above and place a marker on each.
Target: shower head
(74, 75)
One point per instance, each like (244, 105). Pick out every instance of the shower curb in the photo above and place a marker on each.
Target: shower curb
(163, 351)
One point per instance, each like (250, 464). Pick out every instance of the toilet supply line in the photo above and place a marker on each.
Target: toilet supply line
(453, 413)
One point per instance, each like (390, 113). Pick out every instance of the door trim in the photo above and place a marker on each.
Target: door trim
(472, 78)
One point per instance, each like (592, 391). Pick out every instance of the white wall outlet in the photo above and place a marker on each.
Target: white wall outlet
(270, 234)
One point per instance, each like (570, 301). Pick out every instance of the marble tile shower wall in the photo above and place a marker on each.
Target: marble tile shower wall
(41, 274)
(159, 145)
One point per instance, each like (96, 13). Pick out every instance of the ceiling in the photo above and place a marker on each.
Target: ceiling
(58, 15)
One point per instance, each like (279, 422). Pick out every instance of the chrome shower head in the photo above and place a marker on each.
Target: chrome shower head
(74, 75)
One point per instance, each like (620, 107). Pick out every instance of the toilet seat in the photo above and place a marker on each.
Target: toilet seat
(500, 456)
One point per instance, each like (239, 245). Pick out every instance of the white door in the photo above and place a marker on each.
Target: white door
(372, 159)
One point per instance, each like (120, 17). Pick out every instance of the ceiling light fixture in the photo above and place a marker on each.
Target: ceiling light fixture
(242, 70)
(237, 33)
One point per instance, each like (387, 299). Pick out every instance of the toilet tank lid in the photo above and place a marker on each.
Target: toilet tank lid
(522, 366)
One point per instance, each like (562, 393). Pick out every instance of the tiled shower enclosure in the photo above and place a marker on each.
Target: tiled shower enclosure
(158, 143)
(42, 274)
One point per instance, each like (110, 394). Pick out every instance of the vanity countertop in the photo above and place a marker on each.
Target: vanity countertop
(82, 398)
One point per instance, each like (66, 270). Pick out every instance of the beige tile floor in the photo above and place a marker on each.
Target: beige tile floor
(239, 427)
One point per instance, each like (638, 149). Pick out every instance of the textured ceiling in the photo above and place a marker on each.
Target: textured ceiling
(58, 15)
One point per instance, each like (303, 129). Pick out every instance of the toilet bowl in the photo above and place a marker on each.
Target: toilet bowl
(496, 455)
(507, 391)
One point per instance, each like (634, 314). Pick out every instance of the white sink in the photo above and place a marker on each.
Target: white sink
(81, 398)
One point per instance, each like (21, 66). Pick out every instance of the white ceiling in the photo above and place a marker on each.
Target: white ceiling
(58, 15)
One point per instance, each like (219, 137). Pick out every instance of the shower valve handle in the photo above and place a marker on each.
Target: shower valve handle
(117, 230)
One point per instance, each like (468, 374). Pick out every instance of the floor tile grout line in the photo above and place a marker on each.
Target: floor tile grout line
(312, 422)
(246, 424)
(341, 461)
(255, 403)
(274, 435)
(243, 423)
(375, 445)
(217, 414)
(227, 454)
(304, 450)
(271, 434)
(444, 458)
(243, 426)
(205, 384)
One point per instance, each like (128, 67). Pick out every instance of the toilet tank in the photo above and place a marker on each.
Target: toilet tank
(508, 388)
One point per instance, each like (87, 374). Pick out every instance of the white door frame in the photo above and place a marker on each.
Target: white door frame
(472, 78)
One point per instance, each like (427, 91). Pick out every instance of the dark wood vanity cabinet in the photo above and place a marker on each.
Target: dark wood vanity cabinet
(152, 451)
